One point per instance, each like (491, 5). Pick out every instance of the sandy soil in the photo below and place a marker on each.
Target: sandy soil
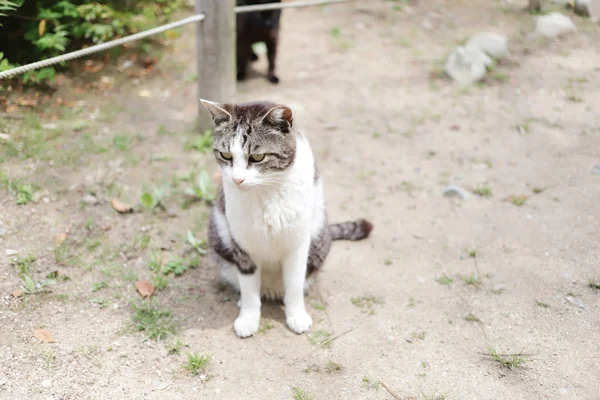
(389, 136)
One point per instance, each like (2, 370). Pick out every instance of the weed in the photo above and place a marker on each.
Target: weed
(99, 286)
(155, 262)
(157, 324)
(320, 337)
(370, 384)
(121, 142)
(144, 242)
(159, 282)
(24, 265)
(196, 363)
(518, 200)
(541, 304)
(445, 280)
(152, 199)
(129, 275)
(472, 318)
(266, 326)
(419, 335)
(102, 303)
(203, 189)
(471, 279)
(318, 306)
(510, 361)
(312, 368)
(63, 298)
(366, 303)
(472, 253)
(300, 394)
(204, 142)
(175, 347)
(483, 191)
(92, 244)
(335, 32)
(594, 284)
(333, 367)
(89, 225)
(538, 190)
(411, 302)
(176, 266)
(198, 244)
(23, 192)
(388, 261)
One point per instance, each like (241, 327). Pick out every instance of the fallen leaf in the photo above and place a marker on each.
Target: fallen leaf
(44, 336)
(120, 206)
(42, 27)
(17, 293)
(144, 288)
(60, 238)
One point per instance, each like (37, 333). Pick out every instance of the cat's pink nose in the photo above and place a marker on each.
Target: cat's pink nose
(238, 181)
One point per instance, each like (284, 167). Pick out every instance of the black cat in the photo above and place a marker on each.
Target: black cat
(254, 27)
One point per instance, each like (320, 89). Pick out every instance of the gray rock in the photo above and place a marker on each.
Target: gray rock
(467, 65)
(457, 191)
(582, 7)
(492, 44)
(554, 25)
(596, 169)
(90, 200)
(11, 252)
(46, 383)
(575, 301)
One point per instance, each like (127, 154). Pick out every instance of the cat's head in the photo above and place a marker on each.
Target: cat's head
(254, 143)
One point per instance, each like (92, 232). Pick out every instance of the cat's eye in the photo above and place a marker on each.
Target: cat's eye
(226, 156)
(257, 157)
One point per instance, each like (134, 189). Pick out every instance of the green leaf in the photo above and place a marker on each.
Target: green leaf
(29, 284)
(197, 244)
(148, 200)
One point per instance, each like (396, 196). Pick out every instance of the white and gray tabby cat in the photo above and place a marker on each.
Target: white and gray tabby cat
(268, 230)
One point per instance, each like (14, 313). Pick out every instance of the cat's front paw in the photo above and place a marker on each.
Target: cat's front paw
(246, 325)
(299, 321)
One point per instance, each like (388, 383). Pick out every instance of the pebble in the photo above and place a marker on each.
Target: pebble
(49, 125)
(575, 301)
(11, 252)
(90, 200)
(554, 25)
(596, 169)
(456, 191)
(3, 229)
(467, 65)
(494, 45)
(46, 383)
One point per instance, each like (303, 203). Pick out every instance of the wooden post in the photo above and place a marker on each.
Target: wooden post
(215, 54)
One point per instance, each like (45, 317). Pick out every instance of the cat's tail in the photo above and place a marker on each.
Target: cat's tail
(354, 230)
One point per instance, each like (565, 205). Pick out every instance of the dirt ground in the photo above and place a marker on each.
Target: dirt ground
(418, 305)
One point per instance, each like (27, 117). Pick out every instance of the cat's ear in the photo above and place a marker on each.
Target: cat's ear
(279, 117)
(218, 111)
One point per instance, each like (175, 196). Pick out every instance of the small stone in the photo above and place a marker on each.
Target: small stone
(4, 136)
(492, 44)
(46, 200)
(554, 25)
(595, 171)
(49, 125)
(46, 383)
(456, 191)
(11, 252)
(582, 7)
(90, 200)
(575, 301)
(467, 65)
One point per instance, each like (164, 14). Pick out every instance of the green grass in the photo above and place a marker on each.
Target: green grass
(159, 282)
(445, 280)
(301, 394)
(541, 304)
(24, 265)
(370, 384)
(510, 361)
(471, 279)
(204, 142)
(483, 191)
(22, 192)
(318, 306)
(99, 286)
(320, 337)
(518, 200)
(157, 324)
(472, 318)
(419, 335)
(538, 190)
(335, 32)
(121, 142)
(196, 363)
(176, 266)
(266, 326)
(333, 367)
(367, 303)
(594, 284)
(175, 347)
(472, 253)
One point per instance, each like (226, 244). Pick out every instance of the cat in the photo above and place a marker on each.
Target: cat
(268, 229)
(254, 27)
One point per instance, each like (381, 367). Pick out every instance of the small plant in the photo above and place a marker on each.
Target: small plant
(594, 284)
(471, 279)
(196, 363)
(367, 303)
(157, 324)
(197, 244)
(419, 335)
(445, 280)
(333, 367)
(203, 189)
(517, 200)
(472, 318)
(154, 198)
(541, 304)
(176, 266)
(30, 286)
(537, 189)
(320, 338)
(388, 261)
(266, 326)
(159, 282)
(510, 361)
(23, 192)
(370, 384)
(121, 142)
(472, 253)
(99, 286)
(483, 191)
(204, 142)
(155, 262)
(300, 394)
(175, 347)
(318, 306)
(335, 32)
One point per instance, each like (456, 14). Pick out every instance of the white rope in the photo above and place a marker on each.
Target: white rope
(278, 6)
(99, 47)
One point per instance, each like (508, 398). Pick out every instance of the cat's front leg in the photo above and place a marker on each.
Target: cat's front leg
(249, 319)
(294, 276)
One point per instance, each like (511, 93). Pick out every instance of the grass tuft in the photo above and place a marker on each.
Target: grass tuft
(156, 323)
(483, 191)
(301, 394)
(196, 363)
(445, 280)
(510, 361)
